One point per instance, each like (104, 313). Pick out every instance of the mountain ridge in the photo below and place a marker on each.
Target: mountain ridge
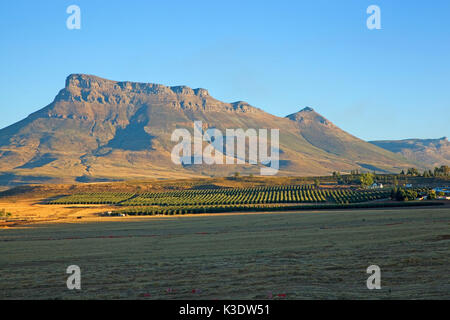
(434, 152)
(99, 130)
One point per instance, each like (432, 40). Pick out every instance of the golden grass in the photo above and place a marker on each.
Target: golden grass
(30, 211)
(303, 255)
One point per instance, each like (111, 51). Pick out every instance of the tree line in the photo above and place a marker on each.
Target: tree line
(442, 171)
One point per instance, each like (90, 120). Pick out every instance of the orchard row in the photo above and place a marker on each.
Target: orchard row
(232, 196)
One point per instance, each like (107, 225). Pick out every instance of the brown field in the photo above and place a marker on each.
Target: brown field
(30, 211)
(303, 255)
(319, 254)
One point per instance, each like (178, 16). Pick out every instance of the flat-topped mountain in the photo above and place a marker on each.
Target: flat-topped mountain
(98, 91)
(101, 130)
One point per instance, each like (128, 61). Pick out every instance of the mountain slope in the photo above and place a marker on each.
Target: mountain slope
(100, 130)
(323, 134)
(434, 152)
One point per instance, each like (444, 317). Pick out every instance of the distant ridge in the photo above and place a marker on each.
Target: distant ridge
(433, 152)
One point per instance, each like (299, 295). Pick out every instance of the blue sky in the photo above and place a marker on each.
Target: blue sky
(280, 56)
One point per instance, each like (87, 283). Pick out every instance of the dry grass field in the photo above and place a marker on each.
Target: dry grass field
(302, 255)
(30, 211)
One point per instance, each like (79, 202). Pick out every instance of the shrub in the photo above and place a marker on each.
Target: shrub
(405, 195)
(431, 195)
(3, 213)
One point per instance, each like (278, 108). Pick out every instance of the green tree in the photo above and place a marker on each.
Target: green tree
(366, 179)
(431, 195)
(412, 172)
(395, 182)
(317, 183)
(445, 170)
(394, 193)
(405, 195)
(442, 171)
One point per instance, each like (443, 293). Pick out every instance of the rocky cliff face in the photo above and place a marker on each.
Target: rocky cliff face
(98, 129)
(94, 90)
